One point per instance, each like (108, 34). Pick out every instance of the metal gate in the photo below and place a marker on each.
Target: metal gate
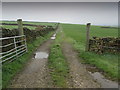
(15, 47)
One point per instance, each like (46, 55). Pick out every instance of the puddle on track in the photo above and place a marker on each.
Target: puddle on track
(54, 36)
(105, 83)
(41, 55)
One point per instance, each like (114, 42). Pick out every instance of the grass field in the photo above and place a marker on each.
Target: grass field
(106, 62)
(14, 27)
(25, 22)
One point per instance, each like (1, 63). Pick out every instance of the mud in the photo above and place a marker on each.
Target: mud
(79, 75)
(98, 75)
(105, 83)
(36, 73)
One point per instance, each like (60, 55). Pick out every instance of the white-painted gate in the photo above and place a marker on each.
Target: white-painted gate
(19, 48)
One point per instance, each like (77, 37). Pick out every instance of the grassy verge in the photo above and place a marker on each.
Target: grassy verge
(10, 70)
(106, 62)
(57, 64)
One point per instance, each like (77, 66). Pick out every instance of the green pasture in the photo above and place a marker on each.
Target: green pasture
(25, 22)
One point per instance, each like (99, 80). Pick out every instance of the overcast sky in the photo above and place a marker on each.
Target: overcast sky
(79, 13)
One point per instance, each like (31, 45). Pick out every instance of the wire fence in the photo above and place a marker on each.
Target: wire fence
(12, 48)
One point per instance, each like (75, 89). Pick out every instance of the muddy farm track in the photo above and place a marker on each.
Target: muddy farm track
(36, 73)
(80, 77)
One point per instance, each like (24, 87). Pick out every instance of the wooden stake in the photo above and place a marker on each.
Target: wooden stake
(87, 36)
(20, 30)
(20, 27)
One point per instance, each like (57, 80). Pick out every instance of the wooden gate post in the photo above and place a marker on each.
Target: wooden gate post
(20, 27)
(20, 30)
(87, 36)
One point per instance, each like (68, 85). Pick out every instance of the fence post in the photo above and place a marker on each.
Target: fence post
(87, 36)
(20, 27)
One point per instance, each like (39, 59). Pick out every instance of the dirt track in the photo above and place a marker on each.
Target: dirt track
(36, 73)
(80, 77)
